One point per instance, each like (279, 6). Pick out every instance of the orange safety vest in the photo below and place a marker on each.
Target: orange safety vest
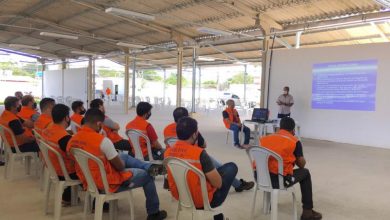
(111, 134)
(191, 154)
(170, 131)
(42, 123)
(76, 118)
(283, 143)
(26, 113)
(5, 118)
(140, 124)
(232, 113)
(108, 91)
(90, 141)
(53, 134)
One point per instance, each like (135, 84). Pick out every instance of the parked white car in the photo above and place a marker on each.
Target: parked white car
(227, 95)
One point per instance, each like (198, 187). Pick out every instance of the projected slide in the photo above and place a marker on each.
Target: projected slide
(345, 85)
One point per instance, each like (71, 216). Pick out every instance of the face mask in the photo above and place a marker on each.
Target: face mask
(68, 123)
(195, 139)
(82, 112)
(19, 108)
(285, 92)
(148, 116)
(34, 105)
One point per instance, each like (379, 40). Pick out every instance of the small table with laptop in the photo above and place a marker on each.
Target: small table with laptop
(260, 122)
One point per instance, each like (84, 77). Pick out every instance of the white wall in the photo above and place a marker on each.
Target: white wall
(294, 68)
(70, 82)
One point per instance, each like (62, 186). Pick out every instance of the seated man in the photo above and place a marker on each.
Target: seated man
(290, 150)
(111, 128)
(123, 171)
(232, 121)
(9, 119)
(44, 120)
(170, 131)
(28, 112)
(19, 95)
(78, 112)
(218, 180)
(56, 133)
(144, 111)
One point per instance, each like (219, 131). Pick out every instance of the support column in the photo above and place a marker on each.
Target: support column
(245, 78)
(298, 40)
(127, 81)
(93, 78)
(264, 70)
(133, 82)
(199, 81)
(63, 67)
(89, 81)
(43, 69)
(165, 84)
(179, 75)
(193, 110)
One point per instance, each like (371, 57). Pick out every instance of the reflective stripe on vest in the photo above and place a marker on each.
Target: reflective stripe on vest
(140, 124)
(90, 141)
(282, 143)
(54, 133)
(191, 154)
(170, 132)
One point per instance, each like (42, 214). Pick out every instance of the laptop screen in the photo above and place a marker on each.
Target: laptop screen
(260, 114)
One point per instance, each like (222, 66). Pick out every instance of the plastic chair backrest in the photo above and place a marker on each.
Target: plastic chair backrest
(45, 148)
(3, 131)
(37, 134)
(74, 127)
(134, 136)
(83, 158)
(261, 157)
(179, 170)
(171, 141)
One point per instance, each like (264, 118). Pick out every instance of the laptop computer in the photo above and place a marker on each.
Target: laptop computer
(260, 115)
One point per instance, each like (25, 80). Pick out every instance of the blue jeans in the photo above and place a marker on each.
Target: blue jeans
(141, 178)
(236, 129)
(236, 183)
(228, 173)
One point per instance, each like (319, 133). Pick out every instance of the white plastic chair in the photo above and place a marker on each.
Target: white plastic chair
(134, 136)
(261, 157)
(83, 158)
(186, 208)
(171, 141)
(74, 127)
(231, 133)
(43, 171)
(10, 157)
(60, 185)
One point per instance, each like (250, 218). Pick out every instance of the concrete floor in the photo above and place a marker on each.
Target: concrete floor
(349, 182)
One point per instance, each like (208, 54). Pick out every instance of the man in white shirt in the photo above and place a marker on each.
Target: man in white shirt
(285, 101)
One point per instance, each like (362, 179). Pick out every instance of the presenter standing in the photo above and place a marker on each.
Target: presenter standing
(285, 101)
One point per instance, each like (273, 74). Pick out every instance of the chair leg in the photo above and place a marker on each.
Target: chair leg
(254, 205)
(99, 208)
(87, 204)
(74, 195)
(266, 202)
(27, 165)
(58, 199)
(12, 161)
(274, 204)
(295, 212)
(131, 204)
(47, 195)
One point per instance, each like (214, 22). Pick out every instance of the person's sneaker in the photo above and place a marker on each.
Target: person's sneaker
(158, 216)
(238, 146)
(156, 169)
(313, 216)
(219, 217)
(245, 186)
(2, 163)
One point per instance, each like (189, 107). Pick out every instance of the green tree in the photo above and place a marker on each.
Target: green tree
(26, 70)
(151, 75)
(209, 84)
(239, 79)
(172, 80)
(110, 73)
